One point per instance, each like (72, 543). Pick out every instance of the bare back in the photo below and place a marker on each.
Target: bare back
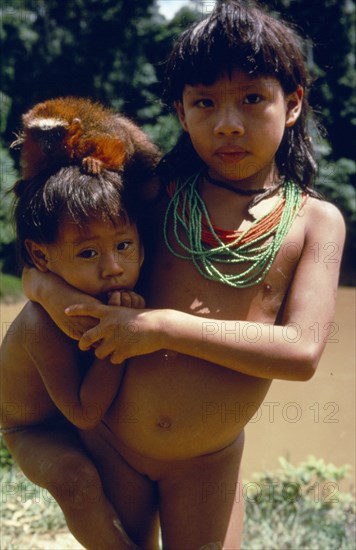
(24, 397)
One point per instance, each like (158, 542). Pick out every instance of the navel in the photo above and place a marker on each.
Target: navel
(165, 423)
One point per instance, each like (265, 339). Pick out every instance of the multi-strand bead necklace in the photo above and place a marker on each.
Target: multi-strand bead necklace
(208, 246)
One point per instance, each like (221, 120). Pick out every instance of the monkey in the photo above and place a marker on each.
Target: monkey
(75, 130)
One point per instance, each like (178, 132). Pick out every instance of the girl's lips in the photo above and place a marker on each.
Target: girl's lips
(231, 156)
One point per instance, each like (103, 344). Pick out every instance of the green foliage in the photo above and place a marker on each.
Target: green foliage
(6, 461)
(114, 51)
(334, 182)
(10, 287)
(299, 507)
(8, 176)
(330, 29)
(164, 132)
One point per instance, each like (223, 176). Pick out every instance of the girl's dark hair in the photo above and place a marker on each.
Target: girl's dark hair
(43, 202)
(240, 35)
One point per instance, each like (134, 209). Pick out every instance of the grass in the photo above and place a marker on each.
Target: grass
(294, 508)
(10, 287)
(300, 508)
(28, 512)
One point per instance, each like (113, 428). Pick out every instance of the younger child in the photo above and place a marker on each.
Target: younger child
(73, 225)
(235, 284)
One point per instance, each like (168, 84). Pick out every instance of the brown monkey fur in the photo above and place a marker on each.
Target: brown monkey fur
(72, 130)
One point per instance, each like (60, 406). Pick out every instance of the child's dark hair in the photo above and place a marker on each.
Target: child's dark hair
(42, 202)
(240, 35)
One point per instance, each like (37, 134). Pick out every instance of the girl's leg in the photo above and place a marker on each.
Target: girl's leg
(201, 503)
(53, 458)
(133, 494)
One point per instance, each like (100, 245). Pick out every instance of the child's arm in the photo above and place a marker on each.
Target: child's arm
(290, 351)
(102, 380)
(54, 295)
(82, 397)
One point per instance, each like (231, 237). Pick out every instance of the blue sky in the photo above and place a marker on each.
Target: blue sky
(169, 7)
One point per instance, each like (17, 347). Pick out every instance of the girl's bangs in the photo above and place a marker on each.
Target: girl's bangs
(230, 40)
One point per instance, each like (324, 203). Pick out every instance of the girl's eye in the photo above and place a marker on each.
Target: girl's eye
(204, 103)
(252, 99)
(88, 254)
(124, 245)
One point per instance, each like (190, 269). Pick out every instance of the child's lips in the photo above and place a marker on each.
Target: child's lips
(231, 155)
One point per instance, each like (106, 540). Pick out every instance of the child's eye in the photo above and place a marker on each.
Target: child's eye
(124, 245)
(87, 254)
(204, 103)
(252, 99)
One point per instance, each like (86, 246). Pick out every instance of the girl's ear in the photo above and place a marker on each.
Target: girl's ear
(294, 106)
(181, 114)
(38, 254)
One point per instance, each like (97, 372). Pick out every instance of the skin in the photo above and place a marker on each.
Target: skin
(99, 259)
(236, 126)
(204, 354)
(43, 387)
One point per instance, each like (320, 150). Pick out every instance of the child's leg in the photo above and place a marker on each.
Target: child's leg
(201, 503)
(133, 494)
(54, 459)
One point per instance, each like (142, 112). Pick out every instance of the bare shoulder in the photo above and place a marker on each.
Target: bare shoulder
(28, 325)
(323, 216)
(31, 314)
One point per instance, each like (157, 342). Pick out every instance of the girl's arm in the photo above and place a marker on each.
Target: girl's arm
(54, 295)
(289, 351)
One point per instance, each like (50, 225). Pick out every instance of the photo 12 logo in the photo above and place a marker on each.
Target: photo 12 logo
(270, 411)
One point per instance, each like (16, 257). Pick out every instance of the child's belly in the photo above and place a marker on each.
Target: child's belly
(172, 406)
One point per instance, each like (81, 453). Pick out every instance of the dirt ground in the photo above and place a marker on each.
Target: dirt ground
(55, 541)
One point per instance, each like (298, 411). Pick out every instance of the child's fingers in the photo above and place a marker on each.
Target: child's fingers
(132, 299)
(103, 348)
(127, 298)
(141, 304)
(114, 298)
(90, 339)
(83, 310)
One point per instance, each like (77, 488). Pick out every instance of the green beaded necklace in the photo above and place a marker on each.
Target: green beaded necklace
(190, 214)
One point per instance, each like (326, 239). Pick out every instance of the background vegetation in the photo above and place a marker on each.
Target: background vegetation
(297, 507)
(114, 51)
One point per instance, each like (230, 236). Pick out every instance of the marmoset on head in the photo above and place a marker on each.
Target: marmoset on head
(72, 130)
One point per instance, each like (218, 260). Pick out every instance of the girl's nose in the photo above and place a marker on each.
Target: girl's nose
(229, 122)
(111, 265)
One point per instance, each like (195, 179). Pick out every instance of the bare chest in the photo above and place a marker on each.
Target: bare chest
(184, 284)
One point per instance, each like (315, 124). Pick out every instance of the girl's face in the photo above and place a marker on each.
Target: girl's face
(237, 124)
(103, 258)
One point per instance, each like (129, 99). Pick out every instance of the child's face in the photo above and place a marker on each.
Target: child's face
(97, 260)
(236, 124)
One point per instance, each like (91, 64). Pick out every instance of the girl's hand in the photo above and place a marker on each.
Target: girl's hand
(121, 333)
(126, 298)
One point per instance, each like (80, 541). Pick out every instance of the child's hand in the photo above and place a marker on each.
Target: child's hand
(126, 298)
